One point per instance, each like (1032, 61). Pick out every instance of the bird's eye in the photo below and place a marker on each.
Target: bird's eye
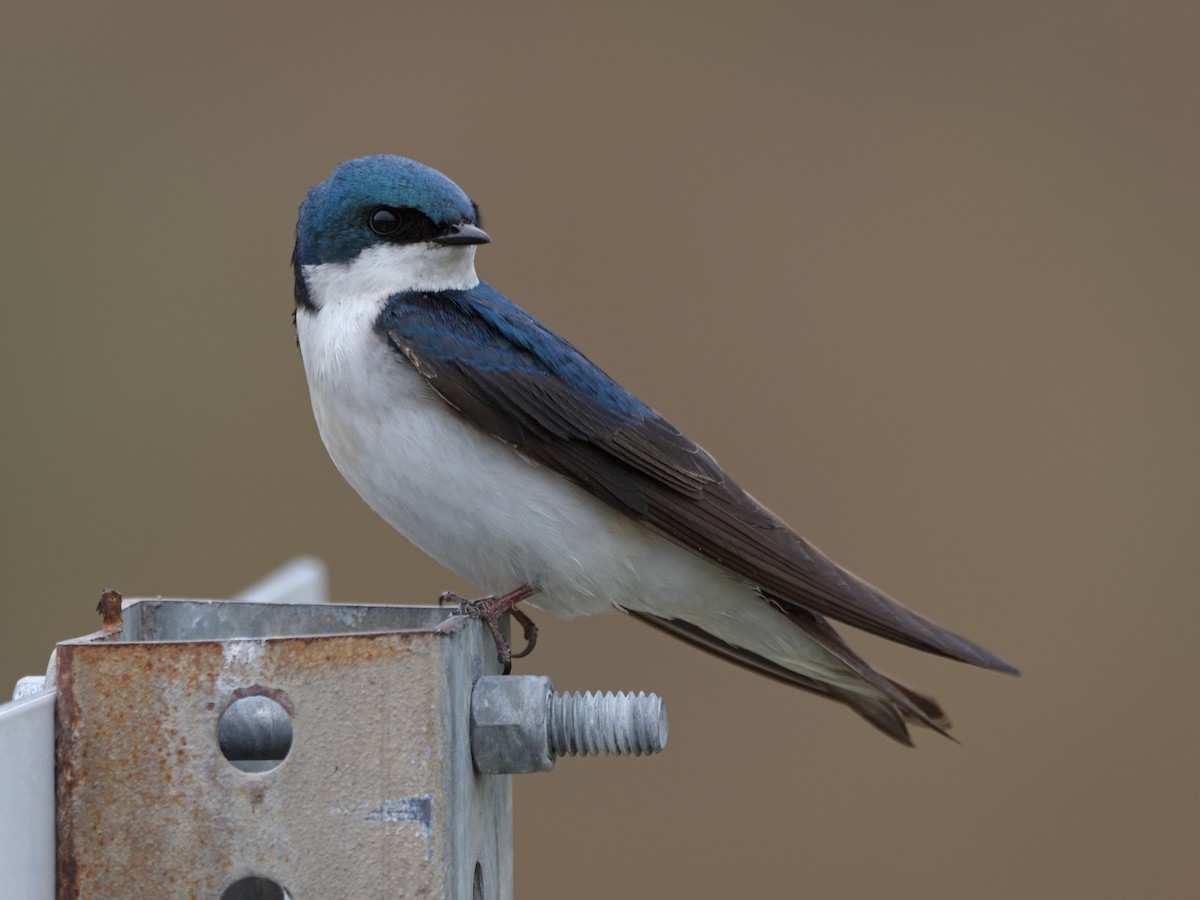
(383, 221)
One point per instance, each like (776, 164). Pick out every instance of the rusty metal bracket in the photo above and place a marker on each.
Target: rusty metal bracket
(375, 794)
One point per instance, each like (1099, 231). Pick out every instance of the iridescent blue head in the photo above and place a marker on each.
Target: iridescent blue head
(380, 200)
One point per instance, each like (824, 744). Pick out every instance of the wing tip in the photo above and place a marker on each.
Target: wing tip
(970, 652)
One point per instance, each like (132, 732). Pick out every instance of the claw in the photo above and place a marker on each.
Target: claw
(529, 629)
(489, 610)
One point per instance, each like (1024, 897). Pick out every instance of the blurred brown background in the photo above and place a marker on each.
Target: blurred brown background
(922, 276)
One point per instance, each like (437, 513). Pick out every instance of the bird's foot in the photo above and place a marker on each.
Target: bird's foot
(489, 610)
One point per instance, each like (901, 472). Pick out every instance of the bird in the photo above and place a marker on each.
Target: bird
(501, 451)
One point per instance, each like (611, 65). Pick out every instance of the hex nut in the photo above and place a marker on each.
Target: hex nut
(509, 717)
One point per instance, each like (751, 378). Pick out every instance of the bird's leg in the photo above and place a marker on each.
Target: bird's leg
(489, 610)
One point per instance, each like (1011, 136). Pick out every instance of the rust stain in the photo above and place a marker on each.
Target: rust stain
(349, 647)
(66, 723)
(109, 608)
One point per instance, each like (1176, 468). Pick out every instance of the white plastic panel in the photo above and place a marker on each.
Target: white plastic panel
(27, 798)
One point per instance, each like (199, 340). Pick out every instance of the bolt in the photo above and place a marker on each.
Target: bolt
(519, 724)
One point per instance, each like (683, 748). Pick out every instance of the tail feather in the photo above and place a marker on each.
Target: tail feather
(888, 714)
(880, 713)
(903, 699)
(925, 703)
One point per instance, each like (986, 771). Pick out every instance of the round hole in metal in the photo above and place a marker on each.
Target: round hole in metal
(255, 733)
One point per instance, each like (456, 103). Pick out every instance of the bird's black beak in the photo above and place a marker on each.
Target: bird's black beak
(463, 233)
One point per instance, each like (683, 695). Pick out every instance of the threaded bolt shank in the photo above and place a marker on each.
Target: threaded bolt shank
(606, 724)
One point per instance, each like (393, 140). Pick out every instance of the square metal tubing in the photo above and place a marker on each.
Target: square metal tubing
(376, 798)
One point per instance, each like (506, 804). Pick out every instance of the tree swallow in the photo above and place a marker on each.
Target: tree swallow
(505, 454)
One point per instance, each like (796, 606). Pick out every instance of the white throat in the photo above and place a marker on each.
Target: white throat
(386, 269)
(348, 297)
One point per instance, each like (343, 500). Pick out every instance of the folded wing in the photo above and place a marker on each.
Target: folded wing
(514, 378)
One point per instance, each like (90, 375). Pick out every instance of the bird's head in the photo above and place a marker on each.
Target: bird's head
(392, 223)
